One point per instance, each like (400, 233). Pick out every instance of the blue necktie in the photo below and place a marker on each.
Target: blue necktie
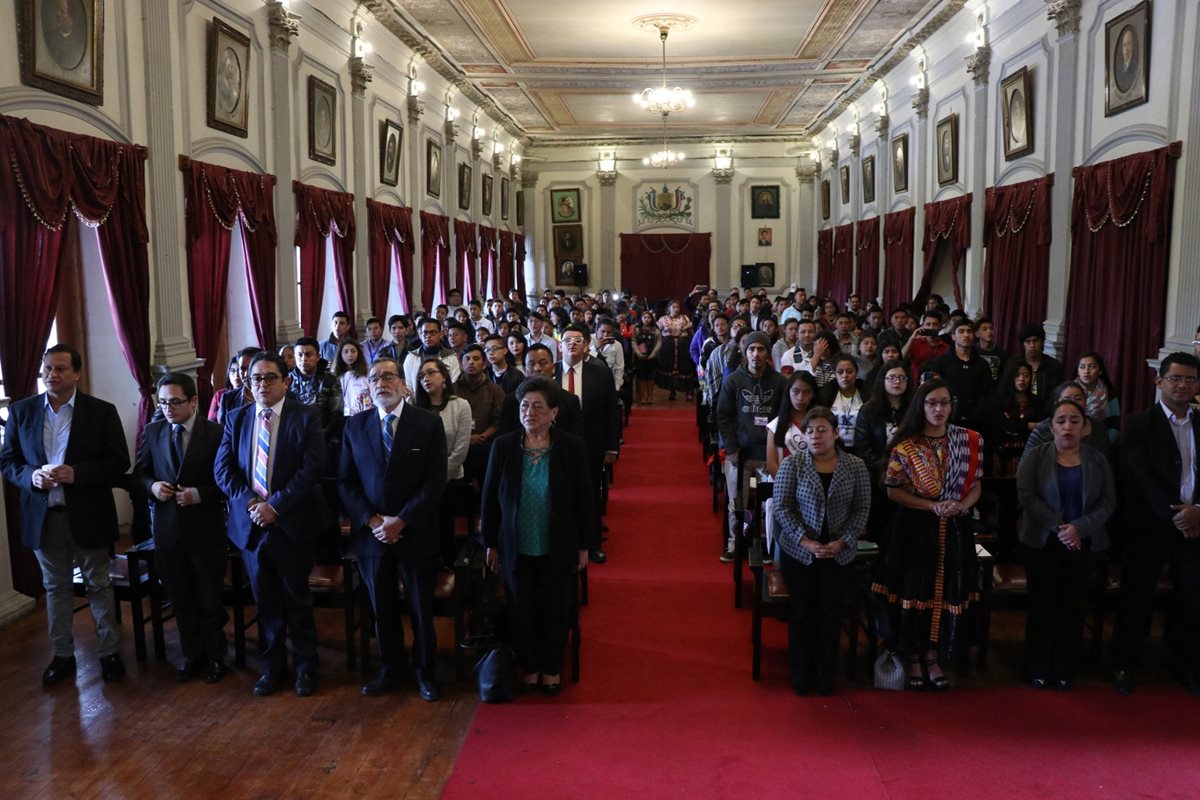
(387, 437)
(177, 445)
(263, 456)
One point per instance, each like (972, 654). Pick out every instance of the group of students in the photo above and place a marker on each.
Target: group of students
(899, 457)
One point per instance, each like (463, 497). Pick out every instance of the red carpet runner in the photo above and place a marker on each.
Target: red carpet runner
(666, 706)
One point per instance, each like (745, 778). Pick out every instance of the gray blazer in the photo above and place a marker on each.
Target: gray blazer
(1037, 491)
(801, 505)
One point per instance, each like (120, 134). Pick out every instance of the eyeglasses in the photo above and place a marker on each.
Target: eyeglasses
(1177, 379)
(937, 403)
(896, 378)
(173, 402)
(429, 373)
(375, 380)
(573, 340)
(494, 349)
(270, 379)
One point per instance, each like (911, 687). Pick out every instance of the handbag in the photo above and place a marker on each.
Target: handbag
(889, 671)
(496, 670)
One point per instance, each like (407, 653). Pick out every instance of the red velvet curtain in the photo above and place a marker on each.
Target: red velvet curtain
(843, 263)
(824, 261)
(949, 221)
(466, 248)
(1121, 239)
(866, 247)
(521, 253)
(489, 247)
(435, 249)
(899, 230)
(321, 213)
(659, 266)
(215, 200)
(508, 254)
(390, 236)
(1017, 236)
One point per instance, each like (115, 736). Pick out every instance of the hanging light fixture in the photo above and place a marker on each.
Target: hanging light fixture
(663, 158)
(663, 99)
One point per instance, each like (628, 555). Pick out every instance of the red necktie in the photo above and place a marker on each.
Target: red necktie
(571, 381)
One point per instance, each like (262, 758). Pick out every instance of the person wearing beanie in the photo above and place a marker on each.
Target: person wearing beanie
(1047, 370)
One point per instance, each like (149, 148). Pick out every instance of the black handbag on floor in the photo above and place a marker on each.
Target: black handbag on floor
(496, 670)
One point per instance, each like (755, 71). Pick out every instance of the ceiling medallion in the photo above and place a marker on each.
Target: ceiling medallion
(661, 99)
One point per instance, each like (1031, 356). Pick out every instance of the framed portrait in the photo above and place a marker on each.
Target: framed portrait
(764, 202)
(504, 188)
(947, 150)
(565, 271)
(520, 208)
(564, 205)
(228, 79)
(844, 177)
(765, 237)
(322, 121)
(825, 201)
(390, 139)
(61, 47)
(868, 179)
(568, 241)
(486, 201)
(464, 187)
(1127, 59)
(433, 168)
(900, 163)
(1016, 114)
(764, 273)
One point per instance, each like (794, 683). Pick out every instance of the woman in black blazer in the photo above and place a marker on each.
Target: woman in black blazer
(538, 524)
(1066, 492)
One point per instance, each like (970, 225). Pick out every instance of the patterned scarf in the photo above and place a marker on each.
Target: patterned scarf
(964, 448)
(306, 388)
(1097, 401)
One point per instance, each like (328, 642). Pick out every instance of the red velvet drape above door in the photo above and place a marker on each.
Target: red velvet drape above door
(899, 230)
(661, 266)
(866, 253)
(435, 251)
(824, 261)
(948, 221)
(321, 213)
(1017, 274)
(466, 248)
(389, 236)
(508, 252)
(489, 249)
(1121, 241)
(521, 253)
(842, 279)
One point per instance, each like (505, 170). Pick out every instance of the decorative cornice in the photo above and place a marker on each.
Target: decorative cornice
(1065, 14)
(415, 109)
(855, 143)
(497, 161)
(920, 102)
(807, 169)
(724, 175)
(881, 125)
(978, 63)
(529, 180)
(476, 149)
(606, 177)
(360, 76)
(283, 25)
(451, 130)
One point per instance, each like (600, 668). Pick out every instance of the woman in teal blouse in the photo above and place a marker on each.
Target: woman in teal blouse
(538, 524)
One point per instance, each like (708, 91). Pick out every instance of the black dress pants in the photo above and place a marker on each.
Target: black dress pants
(1058, 584)
(1145, 556)
(381, 575)
(814, 617)
(541, 613)
(194, 573)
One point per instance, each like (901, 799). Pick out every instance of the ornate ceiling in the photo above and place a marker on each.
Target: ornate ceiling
(561, 73)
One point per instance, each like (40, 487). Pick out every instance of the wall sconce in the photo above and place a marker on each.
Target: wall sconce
(606, 167)
(981, 56)
(497, 154)
(452, 114)
(920, 98)
(476, 142)
(723, 164)
(514, 166)
(415, 107)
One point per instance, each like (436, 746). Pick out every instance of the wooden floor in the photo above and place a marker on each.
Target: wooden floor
(148, 737)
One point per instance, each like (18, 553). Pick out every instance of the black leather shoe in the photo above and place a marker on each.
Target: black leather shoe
(214, 672)
(529, 687)
(268, 683)
(1039, 682)
(306, 683)
(112, 668)
(597, 555)
(552, 689)
(61, 668)
(384, 682)
(189, 669)
(429, 689)
(1123, 682)
(1062, 684)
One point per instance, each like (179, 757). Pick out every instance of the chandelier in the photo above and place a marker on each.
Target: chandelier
(663, 99)
(663, 158)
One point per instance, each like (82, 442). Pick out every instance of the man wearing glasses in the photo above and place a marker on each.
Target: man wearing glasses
(174, 468)
(431, 347)
(392, 476)
(65, 451)
(1159, 450)
(269, 465)
(506, 377)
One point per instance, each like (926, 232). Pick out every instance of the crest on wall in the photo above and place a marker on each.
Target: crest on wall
(669, 204)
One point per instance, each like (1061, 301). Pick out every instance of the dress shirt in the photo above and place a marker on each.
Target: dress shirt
(276, 410)
(56, 432)
(566, 379)
(1182, 429)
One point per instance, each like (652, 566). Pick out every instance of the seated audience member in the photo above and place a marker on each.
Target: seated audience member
(431, 347)
(891, 353)
(745, 404)
(454, 301)
(435, 393)
(924, 345)
(874, 427)
(1159, 450)
(821, 501)
(351, 371)
(174, 468)
(787, 340)
(1012, 415)
(898, 334)
(785, 436)
(821, 363)
(770, 326)
(607, 348)
(843, 328)
(806, 334)
(1045, 371)
(1093, 434)
(517, 346)
(288, 354)
(339, 328)
(647, 342)
(540, 361)
(457, 338)
(867, 356)
(235, 400)
(874, 320)
(928, 573)
(233, 383)
(500, 370)
(376, 342)
(845, 397)
(404, 339)
(1067, 496)
(476, 319)
(1103, 404)
(485, 398)
(538, 333)
(952, 319)
(538, 524)
(719, 335)
(314, 386)
(967, 375)
(988, 349)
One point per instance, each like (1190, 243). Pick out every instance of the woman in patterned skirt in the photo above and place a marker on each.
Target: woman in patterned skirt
(928, 578)
(676, 372)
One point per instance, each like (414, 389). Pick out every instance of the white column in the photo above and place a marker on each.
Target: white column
(977, 67)
(919, 181)
(416, 194)
(883, 193)
(283, 28)
(535, 279)
(605, 275)
(723, 248)
(360, 76)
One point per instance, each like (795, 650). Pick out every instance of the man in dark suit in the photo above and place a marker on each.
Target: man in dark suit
(539, 360)
(1160, 448)
(65, 451)
(391, 478)
(592, 383)
(269, 465)
(175, 467)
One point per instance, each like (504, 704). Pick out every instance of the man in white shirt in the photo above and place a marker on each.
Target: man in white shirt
(537, 332)
(607, 348)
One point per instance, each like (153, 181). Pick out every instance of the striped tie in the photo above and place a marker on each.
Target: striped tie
(262, 458)
(387, 437)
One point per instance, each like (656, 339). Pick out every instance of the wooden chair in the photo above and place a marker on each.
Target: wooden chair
(134, 578)
(338, 586)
